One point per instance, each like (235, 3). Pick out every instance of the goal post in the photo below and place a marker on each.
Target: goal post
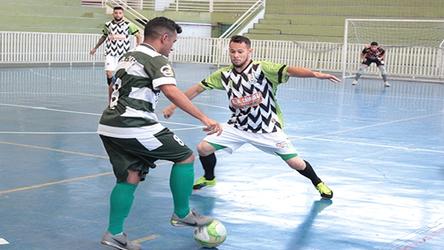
(414, 47)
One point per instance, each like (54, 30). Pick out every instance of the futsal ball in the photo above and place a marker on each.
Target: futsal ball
(211, 235)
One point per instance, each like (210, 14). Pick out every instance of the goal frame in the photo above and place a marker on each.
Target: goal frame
(440, 52)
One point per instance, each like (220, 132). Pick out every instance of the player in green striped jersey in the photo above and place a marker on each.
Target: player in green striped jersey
(135, 140)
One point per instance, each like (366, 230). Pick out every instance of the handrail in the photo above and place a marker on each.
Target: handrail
(138, 17)
(258, 5)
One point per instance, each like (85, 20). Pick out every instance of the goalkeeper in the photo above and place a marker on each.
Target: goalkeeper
(372, 54)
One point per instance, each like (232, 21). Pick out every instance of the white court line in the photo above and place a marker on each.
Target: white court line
(290, 137)
(74, 133)
(81, 113)
(210, 105)
(48, 109)
(368, 144)
(46, 133)
(2, 192)
(181, 129)
(3, 242)
(69, 180)
(372, 126)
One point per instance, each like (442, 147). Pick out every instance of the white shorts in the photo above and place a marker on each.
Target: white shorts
(111, 62)
(272, 143)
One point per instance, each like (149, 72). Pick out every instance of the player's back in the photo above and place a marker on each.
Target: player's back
(136, 91)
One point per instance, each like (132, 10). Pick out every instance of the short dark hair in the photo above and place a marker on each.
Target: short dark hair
(152, 28)
(374, 44)
(118, 8)
(241, 39)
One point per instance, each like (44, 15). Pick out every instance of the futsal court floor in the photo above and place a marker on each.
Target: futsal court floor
(380, 149)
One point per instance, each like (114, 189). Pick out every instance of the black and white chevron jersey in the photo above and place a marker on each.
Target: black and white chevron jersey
(118, 42)
(252, 95)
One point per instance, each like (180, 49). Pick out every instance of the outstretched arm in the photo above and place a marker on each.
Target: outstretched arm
(192, 92)
(304, 72)
(101, 40)
(181, 100)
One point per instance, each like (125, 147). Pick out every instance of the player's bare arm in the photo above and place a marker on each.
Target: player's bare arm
(182, 101)
(101, 40)
(192, 92)
(304, 72)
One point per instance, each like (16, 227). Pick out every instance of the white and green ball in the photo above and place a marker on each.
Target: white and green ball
(211, 235)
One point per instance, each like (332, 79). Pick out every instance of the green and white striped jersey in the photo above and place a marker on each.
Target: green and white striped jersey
(139, 74)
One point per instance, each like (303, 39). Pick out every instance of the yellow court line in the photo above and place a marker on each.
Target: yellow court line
(54, 150)
(147, 238)
(54, 183)
(2, 192)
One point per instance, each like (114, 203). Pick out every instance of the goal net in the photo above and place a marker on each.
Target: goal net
(414, 48)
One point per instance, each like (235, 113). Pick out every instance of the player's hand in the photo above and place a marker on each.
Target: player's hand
(332, 78)
(212, 127)
(168, 111)
(92, 51)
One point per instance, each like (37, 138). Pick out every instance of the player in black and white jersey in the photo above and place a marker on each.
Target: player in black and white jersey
(116, 35)
(255, 114)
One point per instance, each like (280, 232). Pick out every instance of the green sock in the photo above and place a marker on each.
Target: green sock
(121, 200)
(181, 184)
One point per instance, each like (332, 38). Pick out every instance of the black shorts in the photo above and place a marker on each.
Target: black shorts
(369, 61)
(131, 154)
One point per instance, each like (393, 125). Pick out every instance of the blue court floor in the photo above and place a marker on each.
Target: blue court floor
(380, 149)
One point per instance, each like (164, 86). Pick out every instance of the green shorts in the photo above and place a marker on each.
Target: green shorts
(131, 154)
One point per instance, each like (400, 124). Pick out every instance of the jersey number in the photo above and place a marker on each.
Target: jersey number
(115, 94)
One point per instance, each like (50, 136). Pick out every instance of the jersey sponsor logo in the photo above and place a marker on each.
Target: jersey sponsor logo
(166, 70)
(113, 37)
(247, 101)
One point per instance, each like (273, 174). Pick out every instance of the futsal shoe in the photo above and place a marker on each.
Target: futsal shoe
(354, 82)
(386, 84)
(324, 190)
(193, 219)
(119, 241)
(202, 182)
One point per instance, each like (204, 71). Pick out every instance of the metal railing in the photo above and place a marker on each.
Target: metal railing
(246, 19)
(51, 48)
(212, 5)
(130, 13)
(182, 5)
(48, 48)
(93, 3)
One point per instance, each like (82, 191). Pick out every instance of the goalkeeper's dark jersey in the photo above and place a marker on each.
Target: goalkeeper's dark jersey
(373, 55)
